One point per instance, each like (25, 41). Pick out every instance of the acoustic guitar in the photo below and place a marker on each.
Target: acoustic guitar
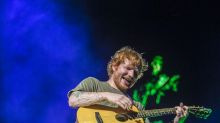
(104, 114)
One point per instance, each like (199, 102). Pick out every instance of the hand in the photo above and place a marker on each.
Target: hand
(181, 111)
(121, 100)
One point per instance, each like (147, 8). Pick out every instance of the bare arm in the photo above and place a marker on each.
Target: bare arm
(80, 98)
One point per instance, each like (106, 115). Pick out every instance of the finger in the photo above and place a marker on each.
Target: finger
(122, 105)
(185, 110)
(128, 100)
(128, 108)
(179, 111)
(125, 104)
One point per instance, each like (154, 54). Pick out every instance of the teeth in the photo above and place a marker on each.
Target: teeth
(125, 79)
(128, 80)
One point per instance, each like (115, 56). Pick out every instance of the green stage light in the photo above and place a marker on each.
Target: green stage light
(157, 86)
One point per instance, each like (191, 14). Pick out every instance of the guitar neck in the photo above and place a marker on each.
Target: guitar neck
(156, 112)
(199, 112)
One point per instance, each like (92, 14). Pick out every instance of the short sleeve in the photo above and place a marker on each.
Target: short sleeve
(89, 85)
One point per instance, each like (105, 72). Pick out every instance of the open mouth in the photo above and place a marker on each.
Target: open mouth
(128, 81)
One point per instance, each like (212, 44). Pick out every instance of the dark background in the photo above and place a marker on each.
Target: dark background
(48, 47)
(185, 33)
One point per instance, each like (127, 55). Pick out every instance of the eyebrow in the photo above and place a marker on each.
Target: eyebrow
(134, 68)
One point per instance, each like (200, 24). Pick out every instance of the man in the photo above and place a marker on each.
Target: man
(124, 69)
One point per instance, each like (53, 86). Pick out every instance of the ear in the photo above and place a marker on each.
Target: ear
(114, 67)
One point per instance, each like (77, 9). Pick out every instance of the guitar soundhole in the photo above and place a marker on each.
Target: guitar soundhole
(121, 117)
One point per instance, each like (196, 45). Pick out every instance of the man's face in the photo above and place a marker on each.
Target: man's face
(125, 75)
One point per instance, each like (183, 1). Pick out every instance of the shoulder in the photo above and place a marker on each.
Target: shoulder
(90, 83)
(90, 80)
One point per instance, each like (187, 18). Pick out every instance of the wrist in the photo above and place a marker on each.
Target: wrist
(176, 119)
(179, 119)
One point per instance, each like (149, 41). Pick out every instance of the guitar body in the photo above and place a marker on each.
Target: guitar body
(107, 114)
(104, 114)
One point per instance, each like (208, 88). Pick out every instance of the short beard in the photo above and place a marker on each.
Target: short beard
(117, 83)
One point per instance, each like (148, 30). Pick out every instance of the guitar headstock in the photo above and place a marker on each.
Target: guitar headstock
(200, 112)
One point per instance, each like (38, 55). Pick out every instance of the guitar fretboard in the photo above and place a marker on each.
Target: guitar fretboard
(156, 112)
(197, 111)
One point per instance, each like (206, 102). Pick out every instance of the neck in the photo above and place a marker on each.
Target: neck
(112, 84)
